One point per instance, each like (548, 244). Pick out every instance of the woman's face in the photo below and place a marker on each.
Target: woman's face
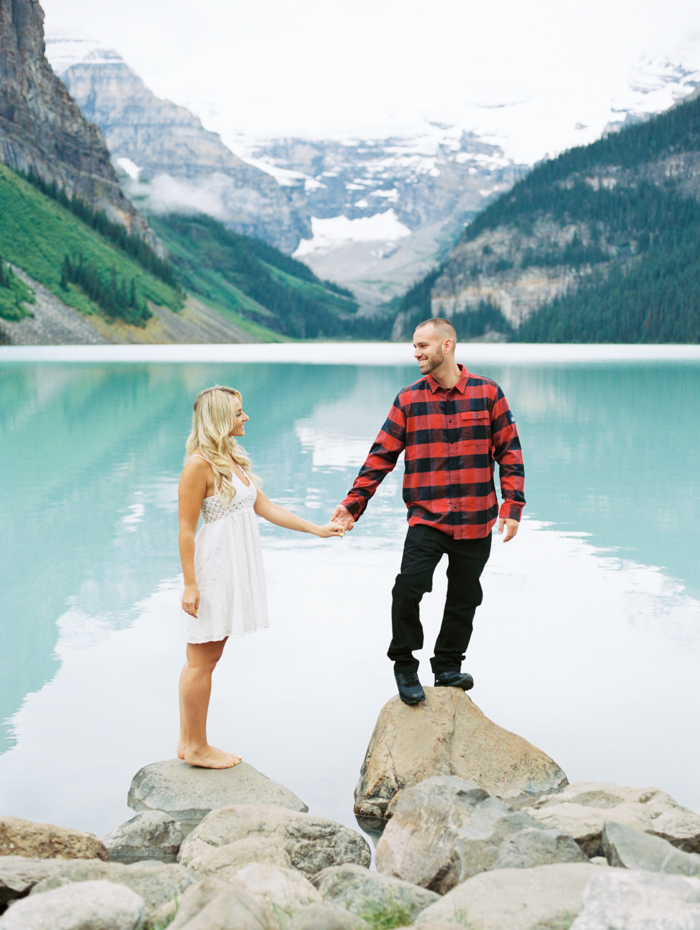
(240, 418)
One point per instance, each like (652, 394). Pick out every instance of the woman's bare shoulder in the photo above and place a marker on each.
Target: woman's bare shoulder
(196, 465)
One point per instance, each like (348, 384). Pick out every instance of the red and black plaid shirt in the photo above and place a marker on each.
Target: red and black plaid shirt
(452, 439)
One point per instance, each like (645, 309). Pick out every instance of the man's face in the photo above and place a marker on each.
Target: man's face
(428, 349)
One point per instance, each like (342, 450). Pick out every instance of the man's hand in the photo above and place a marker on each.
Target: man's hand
(511, 528)
(343, 516)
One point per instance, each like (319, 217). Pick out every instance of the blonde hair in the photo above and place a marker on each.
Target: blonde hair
(213, 418)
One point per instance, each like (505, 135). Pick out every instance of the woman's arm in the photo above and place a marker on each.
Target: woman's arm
(272, 512)
(190, 494)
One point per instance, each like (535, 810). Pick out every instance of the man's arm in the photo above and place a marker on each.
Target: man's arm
(381, 460)
(508, 454)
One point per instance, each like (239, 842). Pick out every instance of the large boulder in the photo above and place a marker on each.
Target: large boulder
(312, 843)
(85, 906)
(584, 807)
(448, 735)
(148, 835)
(286, 890)
(45, 841)
(366, 893)
(157, 884)
(628, 848)
(223, 862)
(638, 900)
(188, 793)
(547, 896)
(215, 905)
(445, 830)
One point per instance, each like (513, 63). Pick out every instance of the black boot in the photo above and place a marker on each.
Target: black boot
(454, 679)
(410, 688)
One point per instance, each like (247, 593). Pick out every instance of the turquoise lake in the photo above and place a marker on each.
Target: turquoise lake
(587, 644)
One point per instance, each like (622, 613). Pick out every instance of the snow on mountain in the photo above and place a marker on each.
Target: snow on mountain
(329, 233)
(383, 207)
(67, 47)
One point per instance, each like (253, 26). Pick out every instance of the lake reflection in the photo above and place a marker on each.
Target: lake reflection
(587, 643)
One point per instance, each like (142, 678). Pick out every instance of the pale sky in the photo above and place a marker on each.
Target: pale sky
(322, 67)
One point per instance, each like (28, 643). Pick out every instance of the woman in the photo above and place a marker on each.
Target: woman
(223, 572)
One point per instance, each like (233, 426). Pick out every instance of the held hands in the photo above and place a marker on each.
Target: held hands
(330, 529)
(343, 516)
(511, 528)
(190, 599)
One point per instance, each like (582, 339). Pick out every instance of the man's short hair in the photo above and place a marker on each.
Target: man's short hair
(444, 328)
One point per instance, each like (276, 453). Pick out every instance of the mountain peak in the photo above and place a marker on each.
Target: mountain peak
(68, 47)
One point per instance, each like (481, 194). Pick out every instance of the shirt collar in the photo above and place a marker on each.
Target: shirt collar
(461, 385)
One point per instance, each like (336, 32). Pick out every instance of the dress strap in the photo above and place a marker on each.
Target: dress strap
(197, 456)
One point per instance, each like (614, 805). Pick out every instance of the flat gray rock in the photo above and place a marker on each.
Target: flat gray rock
(188, 793)
(147, 836)
(636, 900)
(156, 883)
(365, 893)
(312, 843)
(628, 848)
(583, 808)
(546, 897)
(85, 906)
(445, 830)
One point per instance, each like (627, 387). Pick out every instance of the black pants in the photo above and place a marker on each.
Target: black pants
(423, 549)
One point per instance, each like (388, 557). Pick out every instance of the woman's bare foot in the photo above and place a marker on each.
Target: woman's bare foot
(208, 757)
(182, 749)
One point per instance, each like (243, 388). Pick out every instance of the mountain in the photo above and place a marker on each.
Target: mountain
(41, 127)
(255, 281)
(597, 245)
(69, 283)
(169, 159)
(382, 210)
(386, 209)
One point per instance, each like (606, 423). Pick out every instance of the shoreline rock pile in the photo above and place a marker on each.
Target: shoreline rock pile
(481, 830)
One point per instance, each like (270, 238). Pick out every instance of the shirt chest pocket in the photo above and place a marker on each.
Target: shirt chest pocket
(474, 425)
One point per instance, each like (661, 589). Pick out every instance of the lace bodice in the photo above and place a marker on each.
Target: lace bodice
(243, 502)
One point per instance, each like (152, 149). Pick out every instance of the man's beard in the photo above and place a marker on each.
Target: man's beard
(433, 363)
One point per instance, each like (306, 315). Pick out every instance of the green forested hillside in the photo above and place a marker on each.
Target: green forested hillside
(254, 279)
(37, 233)
(617, 223)
(63, 246)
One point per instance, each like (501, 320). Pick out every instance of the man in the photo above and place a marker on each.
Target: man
(453, 426)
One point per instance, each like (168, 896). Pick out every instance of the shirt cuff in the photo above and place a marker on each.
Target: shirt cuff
(354, 506)
(510, 510)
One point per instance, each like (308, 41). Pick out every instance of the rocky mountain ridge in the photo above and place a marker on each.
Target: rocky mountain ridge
(602, 231)
(41, 126)
(375, 215)
(168, 159)
(427, 188)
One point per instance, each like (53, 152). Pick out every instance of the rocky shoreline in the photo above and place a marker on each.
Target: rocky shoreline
(475, 827)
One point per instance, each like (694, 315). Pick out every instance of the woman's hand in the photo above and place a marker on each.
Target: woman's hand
(329, 529)
(190, 599)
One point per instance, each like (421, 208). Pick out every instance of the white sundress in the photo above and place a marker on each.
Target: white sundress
(229, 570)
